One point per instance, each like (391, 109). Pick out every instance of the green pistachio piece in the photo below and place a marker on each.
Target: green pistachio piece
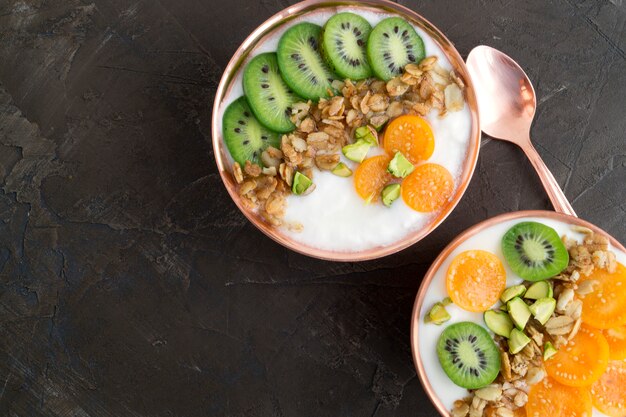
(368, 134)
(517, 341)
(342, 170)
(498, 322)
(390, 194)
(548, 351)
(446, 301)
(437, 315)
(399, 166)
(357, 151)
(542, 309)
(512, 292)
(301, 183)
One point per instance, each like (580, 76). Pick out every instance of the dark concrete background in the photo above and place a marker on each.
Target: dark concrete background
(130, 285)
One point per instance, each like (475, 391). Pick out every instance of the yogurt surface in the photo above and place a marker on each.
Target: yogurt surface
(334, 217)
(489, 240)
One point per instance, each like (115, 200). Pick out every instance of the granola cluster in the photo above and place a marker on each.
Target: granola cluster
(323, 128)
(518, 372)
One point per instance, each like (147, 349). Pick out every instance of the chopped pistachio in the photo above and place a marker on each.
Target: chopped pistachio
(437, 314)
(368, 134)
(446, 301)
(517, 341)
(512, 292)
(548, 351)
(542, 309)
(342, 170)
(357, 151)
(399, 166)
(390, 194)
(301, 183)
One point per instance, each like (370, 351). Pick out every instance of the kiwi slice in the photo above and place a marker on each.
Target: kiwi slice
(244, 136)
(468, 355)
(343, 45)
(392, 45)
(534, 251)
(269, 97)
(301, 63)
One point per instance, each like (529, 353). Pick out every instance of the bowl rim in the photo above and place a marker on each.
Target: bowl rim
(248, 47)
(445, 253)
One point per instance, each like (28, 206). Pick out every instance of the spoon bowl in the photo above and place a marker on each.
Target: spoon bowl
(507, 105)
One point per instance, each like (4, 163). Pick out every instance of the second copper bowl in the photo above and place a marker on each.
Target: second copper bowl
(419, 308)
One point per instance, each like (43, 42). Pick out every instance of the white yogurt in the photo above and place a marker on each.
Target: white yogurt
(334, 217)
(489, 240)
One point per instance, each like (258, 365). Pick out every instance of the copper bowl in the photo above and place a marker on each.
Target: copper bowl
(418, 307)
(248, 48)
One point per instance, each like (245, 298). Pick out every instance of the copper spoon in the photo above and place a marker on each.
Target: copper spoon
(506, 105)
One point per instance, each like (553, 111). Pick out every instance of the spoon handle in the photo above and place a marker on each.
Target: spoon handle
(556, 195)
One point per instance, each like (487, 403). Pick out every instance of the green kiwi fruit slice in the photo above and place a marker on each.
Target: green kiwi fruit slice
(392, 45)
(301, 63)
(534, 251)
(468, 355)
(343, 45)
(269, 97)
(244, 136)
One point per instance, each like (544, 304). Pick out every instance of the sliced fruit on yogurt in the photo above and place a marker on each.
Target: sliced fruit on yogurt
(605, 307)
(269, 97)
(244, 136)
(301, 64)
(343, 45)
(608, 394)
(399, 166)
(475, 280)
(583, 361)
(393, 44)
(468, 355)
(428, 188)
(534, 251)
(411, 135)
(371, 176)
(390, 194)
(550, 398)
(616, 337)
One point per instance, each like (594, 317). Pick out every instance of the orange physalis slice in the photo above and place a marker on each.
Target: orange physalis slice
(605, 307)
(609, 392)
(410, 135)
(475, 280)
(428, 188)
(582, 360)
(549, 398)
(371, 176)
(617, 342)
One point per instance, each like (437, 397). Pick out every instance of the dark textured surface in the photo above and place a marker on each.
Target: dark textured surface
(130, 284)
